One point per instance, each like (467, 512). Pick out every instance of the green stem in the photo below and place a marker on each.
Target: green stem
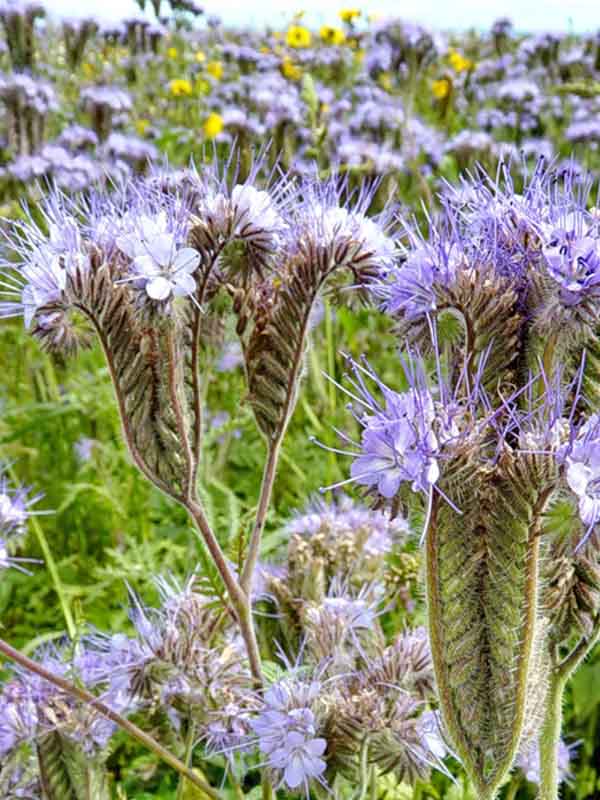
(582, 649)
(90, 700)
(364, 771)
(240, 600)
(267, 787)
(512, 790)
(266, 490)
(549, 740)
(56, 581)
(187, 759)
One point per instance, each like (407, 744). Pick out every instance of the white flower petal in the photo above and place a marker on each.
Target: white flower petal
(162, 249)
(186, 260)
(158, 288)
(184, 285)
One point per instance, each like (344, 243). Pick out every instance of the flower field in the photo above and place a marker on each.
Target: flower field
(299, 409)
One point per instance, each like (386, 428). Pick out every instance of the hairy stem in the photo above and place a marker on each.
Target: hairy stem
(550, 738)
(125, 424)
(88, 698)
(266, 490)
(187, 759)
(581, 650)
(239, 599)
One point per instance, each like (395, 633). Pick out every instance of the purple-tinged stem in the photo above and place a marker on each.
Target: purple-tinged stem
(129, 727)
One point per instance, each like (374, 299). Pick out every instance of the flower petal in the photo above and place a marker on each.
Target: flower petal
(159, 288)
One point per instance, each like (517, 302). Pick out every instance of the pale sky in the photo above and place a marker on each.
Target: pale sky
(538, 15)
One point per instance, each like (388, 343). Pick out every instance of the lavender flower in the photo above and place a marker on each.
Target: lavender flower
(32, 707)
(529, 762)
(375, 530)
(246, 214)
(338, 224)
(162, 268)
(410, 289)
(572, 254)
(15, 507)
(398, 442)
(45, 262)
(287, 731)
(583, 471)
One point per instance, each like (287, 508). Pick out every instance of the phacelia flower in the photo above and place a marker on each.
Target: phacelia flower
(398, 443)
(245, 214)
(156, 260)
(15, 507)
(286, 728)
(583, 471)
(375, 530)
(529, 762)
(333, 222)
(410, 289)
(45, 261)
(572, 255)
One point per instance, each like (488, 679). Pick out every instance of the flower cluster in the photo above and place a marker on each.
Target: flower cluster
(287, 731)
(15, 505)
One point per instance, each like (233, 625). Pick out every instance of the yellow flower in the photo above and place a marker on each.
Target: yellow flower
(180, 87)
(215, 68)
(385, 81)
(297, 36)
(332, 35)
(458, 62)
(441, 88)
(213, 125)
(88, 70)
(200, 57)
(172, 52)
(289, 70)
(349, 14)
(142, 126)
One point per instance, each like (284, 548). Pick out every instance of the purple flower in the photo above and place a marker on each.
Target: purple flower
(334, 221)
(376, 529)
(246, 214)
(572, 254)
(398, 442)
(286, 727)
(45, 261)
(410, 289)
(583, 470)
(84, 448)
(231, 357)
(14, 512)
(529, 762)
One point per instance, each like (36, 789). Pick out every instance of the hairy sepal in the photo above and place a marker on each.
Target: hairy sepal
(67, 773)
(153, 363)
(483, 598)
(274, 347)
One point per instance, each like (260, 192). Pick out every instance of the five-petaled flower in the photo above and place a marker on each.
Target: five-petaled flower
(157, 261)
